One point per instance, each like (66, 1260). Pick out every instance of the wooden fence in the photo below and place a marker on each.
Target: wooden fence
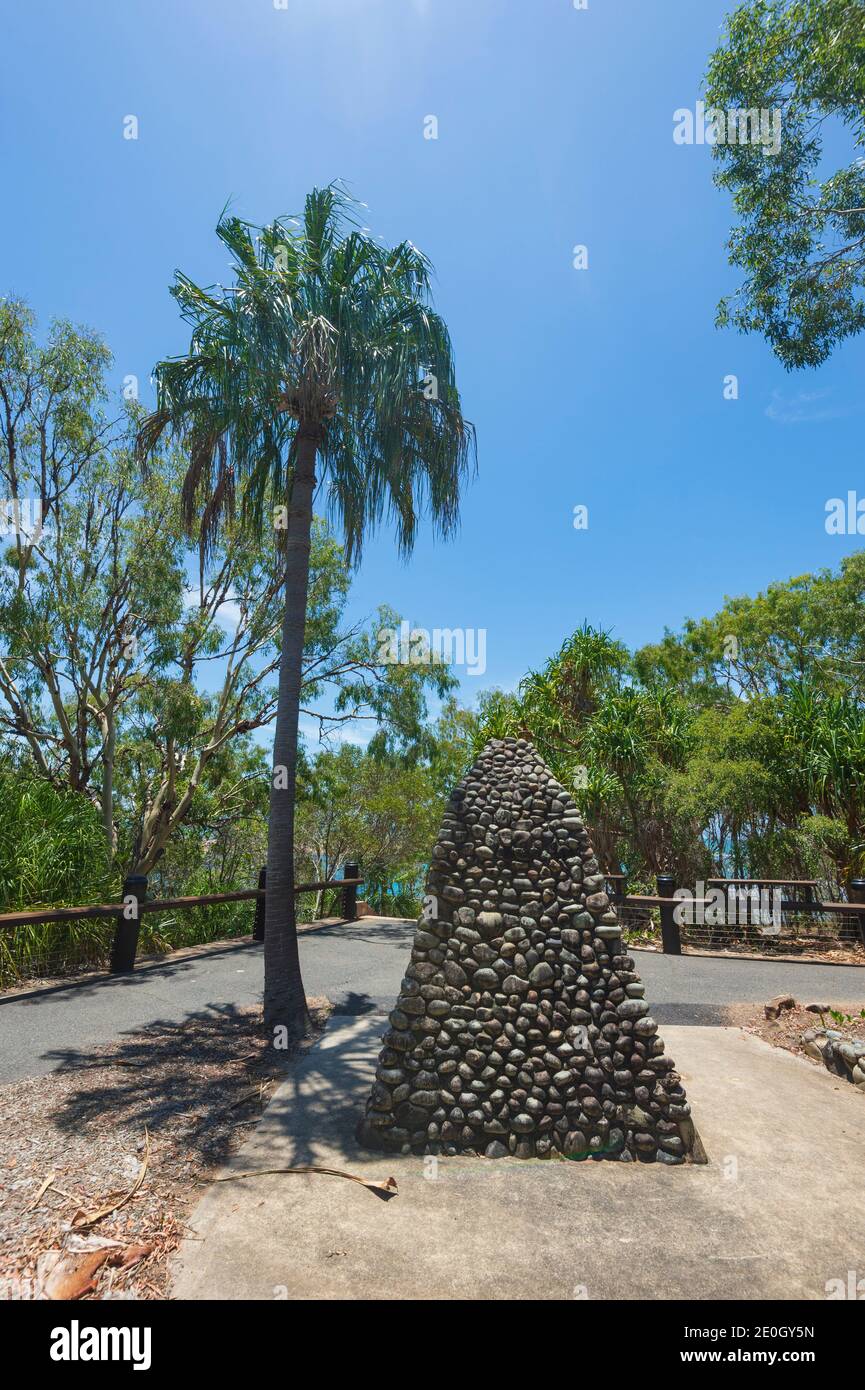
(134, 903)
(803, 902)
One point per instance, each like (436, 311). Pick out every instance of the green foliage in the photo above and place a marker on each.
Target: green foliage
(393, 694)
(736, 747)
(52, 854)
(499, 716)
(324, 357)
(52, 850)
(843, 1020)
(137, 670)
(810, 625)
(801, 238)
(454, 738)
(360, 807)
(326, 328)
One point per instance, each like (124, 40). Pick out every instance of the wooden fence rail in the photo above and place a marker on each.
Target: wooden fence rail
(134, 903)
(666, 901)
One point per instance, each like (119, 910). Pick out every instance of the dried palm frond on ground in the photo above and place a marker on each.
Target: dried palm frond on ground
(103, 1158)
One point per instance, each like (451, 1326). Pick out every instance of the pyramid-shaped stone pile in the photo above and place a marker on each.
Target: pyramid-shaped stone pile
(521, 1026)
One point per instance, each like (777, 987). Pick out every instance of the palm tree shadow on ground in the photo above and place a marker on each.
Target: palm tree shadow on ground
(200, 1087)
(193, 1085)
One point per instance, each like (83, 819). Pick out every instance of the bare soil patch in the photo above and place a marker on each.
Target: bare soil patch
(786, 1030)
(103, 1159)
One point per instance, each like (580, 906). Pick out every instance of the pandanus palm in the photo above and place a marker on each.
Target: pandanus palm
(823, 750)
(558, 701)
(326, 357)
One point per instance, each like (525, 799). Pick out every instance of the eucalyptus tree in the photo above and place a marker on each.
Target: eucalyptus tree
(326, 356)
(90, 571)
(762, 645)
(131, 676)
(105, 643)
(801, 237)
(360, 805)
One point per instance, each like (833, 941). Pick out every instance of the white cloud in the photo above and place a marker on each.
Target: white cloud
(359, 735)
(227, 614)
(806, 407)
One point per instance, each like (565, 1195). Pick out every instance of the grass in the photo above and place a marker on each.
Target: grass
(52, 854)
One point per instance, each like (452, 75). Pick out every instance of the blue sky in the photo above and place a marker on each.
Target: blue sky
(601, 387)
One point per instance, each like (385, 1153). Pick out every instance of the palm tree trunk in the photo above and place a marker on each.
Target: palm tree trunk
(284, 995)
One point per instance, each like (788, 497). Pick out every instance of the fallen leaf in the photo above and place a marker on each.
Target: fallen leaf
(79, 1244)
(73, 1275)
(131, 1255)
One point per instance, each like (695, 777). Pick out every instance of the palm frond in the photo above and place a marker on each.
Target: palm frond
(323, 329)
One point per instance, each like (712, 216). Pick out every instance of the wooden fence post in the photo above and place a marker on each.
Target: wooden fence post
(128, 924)
(349, 894)
(671, 940)
(856, 894)
(258, 918)
(617, 888)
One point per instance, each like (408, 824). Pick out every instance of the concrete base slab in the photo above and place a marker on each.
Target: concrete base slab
(776, 1213)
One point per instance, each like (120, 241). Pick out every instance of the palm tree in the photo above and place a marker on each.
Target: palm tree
(323, 356)
(560, 699)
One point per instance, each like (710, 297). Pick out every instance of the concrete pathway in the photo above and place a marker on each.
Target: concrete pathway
(358, 967)
(776, 1213)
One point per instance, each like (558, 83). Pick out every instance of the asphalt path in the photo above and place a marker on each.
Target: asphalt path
(359, 968)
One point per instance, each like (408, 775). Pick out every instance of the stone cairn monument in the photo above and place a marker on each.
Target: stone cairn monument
(521, 1026)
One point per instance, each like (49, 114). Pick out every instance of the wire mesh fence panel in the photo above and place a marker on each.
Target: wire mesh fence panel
(773, 917)
(45, 950)
(851, 928)
(640, 925)
(796, 935)
(768, 917)
(745, 916)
